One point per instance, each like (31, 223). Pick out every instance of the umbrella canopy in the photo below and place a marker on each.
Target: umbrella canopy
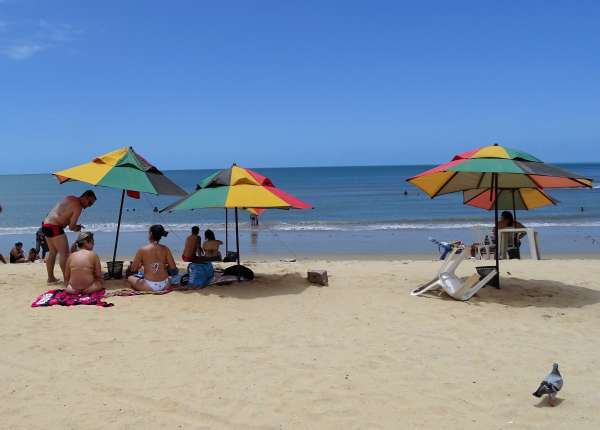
(123, 169)
(238, 187)
(126, 170)
(511, 169)
(492, 170)
(508, 199)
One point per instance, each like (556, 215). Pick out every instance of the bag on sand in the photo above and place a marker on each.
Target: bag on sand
(200, 274)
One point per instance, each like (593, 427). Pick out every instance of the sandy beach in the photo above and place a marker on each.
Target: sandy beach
(279, 353)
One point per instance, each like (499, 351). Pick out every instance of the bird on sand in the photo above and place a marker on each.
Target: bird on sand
(551, 385)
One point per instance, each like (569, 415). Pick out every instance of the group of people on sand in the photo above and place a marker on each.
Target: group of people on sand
(17, 252)
(150, 269)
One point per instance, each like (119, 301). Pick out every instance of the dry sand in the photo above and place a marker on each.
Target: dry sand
(280, 353)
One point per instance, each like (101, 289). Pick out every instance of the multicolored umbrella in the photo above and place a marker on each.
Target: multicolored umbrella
(477, 169)
(508, 199)
(126, 170)
(493, 169)
(237, 188)
(123, 169)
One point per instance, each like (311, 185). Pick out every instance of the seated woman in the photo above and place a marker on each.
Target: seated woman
(17, 255)
(32, 256)
(83, 272)
(506, 221)
(211, 246)
(155, 259)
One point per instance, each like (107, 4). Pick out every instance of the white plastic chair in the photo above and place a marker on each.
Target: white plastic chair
(450, 283)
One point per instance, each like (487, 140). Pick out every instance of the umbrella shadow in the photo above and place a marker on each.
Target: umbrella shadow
(521, 293)
(262, 286)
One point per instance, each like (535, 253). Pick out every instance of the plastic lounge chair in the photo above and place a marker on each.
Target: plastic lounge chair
(448, 267)
(451, 284)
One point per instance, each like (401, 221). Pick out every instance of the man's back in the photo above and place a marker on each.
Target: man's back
(191, 246)
(62, 212)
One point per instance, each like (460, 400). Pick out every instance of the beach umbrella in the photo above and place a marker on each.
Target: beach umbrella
(508, 199)
(126, 170)
(237, 188)
(494, 169)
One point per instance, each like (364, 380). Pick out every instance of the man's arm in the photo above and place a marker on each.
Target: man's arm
(73, 226)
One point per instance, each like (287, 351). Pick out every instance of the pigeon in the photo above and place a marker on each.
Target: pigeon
(551, 385)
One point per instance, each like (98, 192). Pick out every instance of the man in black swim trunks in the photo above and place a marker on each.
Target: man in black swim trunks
(65, 213)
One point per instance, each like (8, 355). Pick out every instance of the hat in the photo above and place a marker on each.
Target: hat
(84, 236)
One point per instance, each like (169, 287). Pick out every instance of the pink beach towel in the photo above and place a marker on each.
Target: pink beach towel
(61, 297)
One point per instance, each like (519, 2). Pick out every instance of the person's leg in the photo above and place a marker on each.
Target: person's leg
(51, 260)
(96, 286)
(138, 284)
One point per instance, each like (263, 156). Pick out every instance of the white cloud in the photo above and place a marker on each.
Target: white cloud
(22, 40)
(22, 51)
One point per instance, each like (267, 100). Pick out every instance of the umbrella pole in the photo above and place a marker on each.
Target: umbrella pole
(117, 238)
(495, 180)
(226, 231)
(237, 242)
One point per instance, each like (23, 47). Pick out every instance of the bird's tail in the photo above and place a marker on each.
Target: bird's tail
(542, 389)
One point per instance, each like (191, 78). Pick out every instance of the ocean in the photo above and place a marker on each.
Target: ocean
(359, 211)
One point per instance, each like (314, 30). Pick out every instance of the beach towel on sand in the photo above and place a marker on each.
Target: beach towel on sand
(62, 298)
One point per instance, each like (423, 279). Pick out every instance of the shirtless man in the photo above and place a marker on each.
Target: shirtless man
(155, 259)
(65, 213)
(192, 248)
(83, 273)
(17, 255)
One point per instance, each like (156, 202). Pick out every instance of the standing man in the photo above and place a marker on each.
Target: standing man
(65, 213)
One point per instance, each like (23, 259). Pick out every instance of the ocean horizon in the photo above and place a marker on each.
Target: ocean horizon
(358, 210)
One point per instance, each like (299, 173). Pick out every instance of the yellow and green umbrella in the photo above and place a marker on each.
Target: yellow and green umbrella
(238, 188)
(126, 170)
(493, 170)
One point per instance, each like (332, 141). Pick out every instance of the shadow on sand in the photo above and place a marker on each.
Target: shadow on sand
(518, 292)
(522, 293)
(262, 286)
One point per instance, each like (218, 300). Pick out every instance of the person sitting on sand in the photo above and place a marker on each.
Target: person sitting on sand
(192, 248)
(211, 246)
(83, 272)
(32, 255)
(17, 255)
(64, 213)
(155, 259)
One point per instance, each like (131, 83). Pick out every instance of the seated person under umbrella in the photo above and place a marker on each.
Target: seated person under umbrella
(506, 221)
(156, 260)
(83, 272)
(211, 246)
(192, 248)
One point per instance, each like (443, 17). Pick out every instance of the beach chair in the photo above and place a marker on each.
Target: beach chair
(452, 284)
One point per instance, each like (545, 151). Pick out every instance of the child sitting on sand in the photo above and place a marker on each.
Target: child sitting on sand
(211, 245)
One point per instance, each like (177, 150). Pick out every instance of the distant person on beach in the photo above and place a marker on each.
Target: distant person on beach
(41, 245)
(17, 255)
(2, 256)
(156, 260)
(211, 246)
(192, 250)
(83, 272)
(253, 220)
(64, 213)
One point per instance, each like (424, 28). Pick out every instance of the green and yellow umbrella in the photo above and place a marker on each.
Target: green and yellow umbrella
(500, 174)
(238, 188)
(126, 170)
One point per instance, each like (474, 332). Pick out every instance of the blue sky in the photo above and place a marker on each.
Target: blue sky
(198, 84)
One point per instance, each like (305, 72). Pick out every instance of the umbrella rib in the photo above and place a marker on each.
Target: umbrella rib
(444, 184)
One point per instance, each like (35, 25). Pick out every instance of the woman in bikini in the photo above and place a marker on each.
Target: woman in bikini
(155, 259)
